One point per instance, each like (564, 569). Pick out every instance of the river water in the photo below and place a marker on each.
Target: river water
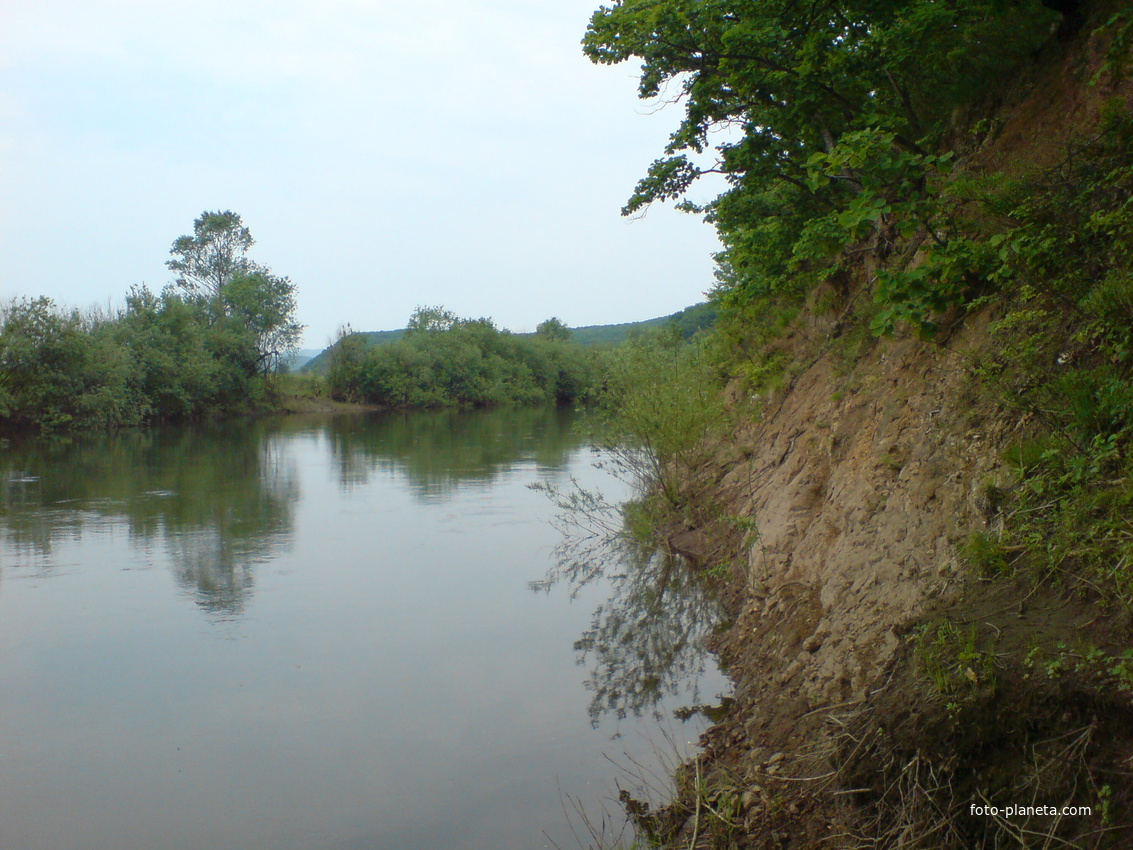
(329, 632)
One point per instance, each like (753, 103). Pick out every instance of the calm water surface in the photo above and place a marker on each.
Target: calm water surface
(325, 633)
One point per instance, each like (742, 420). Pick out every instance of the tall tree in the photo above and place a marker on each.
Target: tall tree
(213, 266)
(208, 260)
(432, 319)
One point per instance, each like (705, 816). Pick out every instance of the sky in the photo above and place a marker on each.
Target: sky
(384, 155)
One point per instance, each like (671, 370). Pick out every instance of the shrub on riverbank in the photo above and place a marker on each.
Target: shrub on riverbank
(161, 358)
(444, 360)
(207, 344)
(660, 411)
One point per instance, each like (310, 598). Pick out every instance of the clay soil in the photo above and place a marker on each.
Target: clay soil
(864, 485)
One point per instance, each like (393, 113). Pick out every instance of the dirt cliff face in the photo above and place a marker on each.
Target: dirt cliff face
(861, 486)
(862, 491)
(881, 688)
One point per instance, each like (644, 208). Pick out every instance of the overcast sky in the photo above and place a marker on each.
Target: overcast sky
(384, 155)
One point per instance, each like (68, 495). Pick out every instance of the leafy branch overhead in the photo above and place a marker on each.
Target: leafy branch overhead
(871, 85)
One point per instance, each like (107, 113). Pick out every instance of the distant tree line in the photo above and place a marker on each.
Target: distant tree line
(688, 322)
(444, 360)
(204, 344)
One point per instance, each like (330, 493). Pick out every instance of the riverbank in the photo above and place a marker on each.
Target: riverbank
(883, 684)
(931, 616)
(297, 402)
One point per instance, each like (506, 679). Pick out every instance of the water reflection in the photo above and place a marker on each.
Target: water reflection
(394, 678)
(219, 500)
(647, 641)
(439, 451)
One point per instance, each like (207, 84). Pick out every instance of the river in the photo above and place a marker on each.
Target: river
(328, 633)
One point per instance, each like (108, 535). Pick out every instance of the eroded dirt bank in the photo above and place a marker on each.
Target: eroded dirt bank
(881, 685)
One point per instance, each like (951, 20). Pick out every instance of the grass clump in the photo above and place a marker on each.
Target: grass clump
(954, 660)
(986, 556)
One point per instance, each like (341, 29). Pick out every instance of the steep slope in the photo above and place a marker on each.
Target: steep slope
(865, 488)
(892, 675)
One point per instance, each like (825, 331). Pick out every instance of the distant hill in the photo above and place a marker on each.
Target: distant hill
(301, 358)
(321, 362)
(688, 321)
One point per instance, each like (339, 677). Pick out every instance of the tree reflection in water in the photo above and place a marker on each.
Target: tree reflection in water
(220, 500)
(440, 451)
(647, 641)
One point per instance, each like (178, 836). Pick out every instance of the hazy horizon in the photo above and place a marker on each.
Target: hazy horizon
(382, 158)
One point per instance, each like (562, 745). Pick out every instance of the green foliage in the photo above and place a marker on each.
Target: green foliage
(214, 269)
(262, 306)
(58, 369)
(186, 362)
(431, 320)
(553, 329)
(204, 346)
(737, 345)
(1065, 354)
(985, 554)
(207, 261)
(688, 322)
(844, 110)
(660, 408)
(1116, 64)
(1105, 668)
(445, 360)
